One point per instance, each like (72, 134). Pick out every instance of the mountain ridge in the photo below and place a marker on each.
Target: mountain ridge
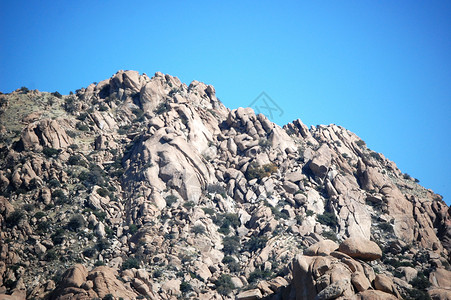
(177, 195)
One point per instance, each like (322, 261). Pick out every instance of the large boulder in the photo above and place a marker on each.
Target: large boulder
(74, 277)
(250, 295)
(47, 133)
(321, 161)
(374, 295)
(324, 248)
(361, 249)
(441, 278)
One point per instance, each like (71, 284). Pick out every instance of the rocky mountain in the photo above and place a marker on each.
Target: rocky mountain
(139, 187)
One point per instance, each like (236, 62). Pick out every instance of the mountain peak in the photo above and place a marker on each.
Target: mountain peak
(146, 187)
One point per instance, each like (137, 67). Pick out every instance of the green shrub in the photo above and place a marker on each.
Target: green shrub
(328, 219)
(171, 199)
(59, 197)
(420, 282)
(330, 235)
(130, 263)
(255, 243)
(58, 236)
(139, 113)
(233, 265)
(90, 252)
(39, 215)
(100, 215)
(108, 297)
(162, 108)
(255, 171)
(76, 223)
(82, 116)
(132, 228)
(264, 143)
(217, 189)
(123, 129)
(43, 226)
(385, 226)
(360, 143)
(51, 255)
(95, 176)
(54, 183)
(224, 284)
(57, 95)
(103, 244)
(259, 274)
(208, 210)
(189, 204)
(14, 218)
(185, 287)
(231, 244)
(376, 156)
(76, 160)
(28, 207)
(309, 213)
(50, 152)
(82, 127)
(278, 214)
(103, 107)
(157, 274)
(198, 229)
(415, 294)
(102, 192)
(99, 263)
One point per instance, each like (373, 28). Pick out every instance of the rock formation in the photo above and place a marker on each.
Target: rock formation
(145, 187)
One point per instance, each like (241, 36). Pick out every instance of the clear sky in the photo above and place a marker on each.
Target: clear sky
(382, 69)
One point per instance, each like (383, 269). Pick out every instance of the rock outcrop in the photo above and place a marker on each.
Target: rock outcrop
(145, 187)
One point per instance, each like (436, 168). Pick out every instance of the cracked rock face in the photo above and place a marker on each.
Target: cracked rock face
(146, 187)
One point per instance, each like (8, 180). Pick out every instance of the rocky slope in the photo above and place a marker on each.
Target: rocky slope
(139, 187)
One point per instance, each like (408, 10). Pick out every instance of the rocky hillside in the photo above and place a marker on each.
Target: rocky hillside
(139, 187)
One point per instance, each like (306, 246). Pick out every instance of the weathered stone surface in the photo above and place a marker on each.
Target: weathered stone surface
(45, 133)
(384, 283)
(321, 161)
(360, 282)
(441, 278)
(303, 278)
(250, 295)
(374, 295)
(360, 248)
(324, 248)
(74, 276)
(333, 291)
(439, 294)
(174, 162)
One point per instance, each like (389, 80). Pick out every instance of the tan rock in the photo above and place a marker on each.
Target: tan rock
(303, 278)
(360, 248)
(334, 290)
(322, 248)
(74, 276)
(441, 278)
(172, 287)
(106, 282)
(321, 161)
(277, 283)
(250, 295)
(384, 283)
(374, 295)
(360, 282)
(439, 294)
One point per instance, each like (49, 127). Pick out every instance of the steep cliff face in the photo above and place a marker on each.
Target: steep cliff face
(146, 187)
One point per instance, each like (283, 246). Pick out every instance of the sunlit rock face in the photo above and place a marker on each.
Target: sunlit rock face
(146, 187)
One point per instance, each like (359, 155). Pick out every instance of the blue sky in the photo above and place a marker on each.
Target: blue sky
(382, 69)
